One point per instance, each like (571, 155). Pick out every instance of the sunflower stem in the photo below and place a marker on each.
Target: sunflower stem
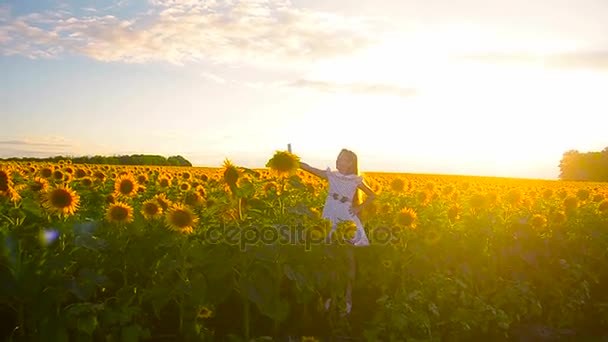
(246, 320)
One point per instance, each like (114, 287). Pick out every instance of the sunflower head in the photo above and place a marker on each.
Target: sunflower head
(126, 186)
(39, 184)
(184, 186)
(559, 218)
(186, 175)
(231, 173)
(454, 212)
(58, 175)
(447, 190)
(119, 212)
(513, 196)
(284, 162)
(201, 191)
(193, 199)
(163, 201)
(538, 221)
(477, 201)
(547, 193)
(164, 181)
(570, 203)
(397, 185)
(583, 194)
(406, 217)
(99, 176)
(61, 200)
(142, 178)
(46, 172)
(603, 206)
(181, 219)
(151, 209)
(204, 312)
(5, 180)
(423, 197)
(80, 173)
(87, 182)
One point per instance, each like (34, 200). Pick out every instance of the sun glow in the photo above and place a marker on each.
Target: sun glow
(491, 116)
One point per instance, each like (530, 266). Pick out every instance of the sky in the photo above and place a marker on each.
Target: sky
(474, 87)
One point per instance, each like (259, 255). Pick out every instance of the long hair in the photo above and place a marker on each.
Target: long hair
(355, 171)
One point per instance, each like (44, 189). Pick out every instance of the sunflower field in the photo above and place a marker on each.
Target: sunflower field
(144, 253)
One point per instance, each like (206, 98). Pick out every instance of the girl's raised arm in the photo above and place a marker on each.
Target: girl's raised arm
(313, 170)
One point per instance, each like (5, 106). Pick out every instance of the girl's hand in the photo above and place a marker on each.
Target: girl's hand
(354, 210)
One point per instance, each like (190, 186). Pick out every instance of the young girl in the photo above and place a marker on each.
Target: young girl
(343, 202)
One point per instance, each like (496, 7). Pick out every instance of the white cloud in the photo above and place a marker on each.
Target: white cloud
(212, 77)
(257, 32)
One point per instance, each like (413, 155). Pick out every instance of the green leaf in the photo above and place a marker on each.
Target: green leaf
(131, 333)
(87, 324)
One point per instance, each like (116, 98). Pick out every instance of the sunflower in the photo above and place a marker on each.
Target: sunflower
(477, 201)
(397, 185)
(119, 212)
(5, 180)
(559, 218)
(603, 206)
(547, 193)
(193, 199)
(46, 172)
(447, 190)
(231, 173)
(126, 186)
(284, 163)
(271, 187)
(151, 210)
(583, 194)
(201, 191)
(538, 221)
(423, 197)
(86, 182)
(570, 203)
(80, 173)
(406, 217)
(163, 201)
(164, 181)
(61, 200)
(58, 175)
(454, 212)
(142, 178)
(184, 186)
(186, 175)
(110, 199)
(181, 219)
(100, 176)
(39, 184)
(513, 196)
(204, 312)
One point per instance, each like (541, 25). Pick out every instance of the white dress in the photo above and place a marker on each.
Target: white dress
(339, 201)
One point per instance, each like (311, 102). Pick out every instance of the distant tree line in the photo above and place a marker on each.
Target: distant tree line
(134, 159)
(588, 166)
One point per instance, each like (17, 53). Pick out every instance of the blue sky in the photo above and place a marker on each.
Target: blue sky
(464, 87)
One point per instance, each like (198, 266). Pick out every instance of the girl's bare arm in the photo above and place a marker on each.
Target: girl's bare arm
(313, 170)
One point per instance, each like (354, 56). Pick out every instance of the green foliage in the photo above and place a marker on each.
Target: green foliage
(589, 166)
